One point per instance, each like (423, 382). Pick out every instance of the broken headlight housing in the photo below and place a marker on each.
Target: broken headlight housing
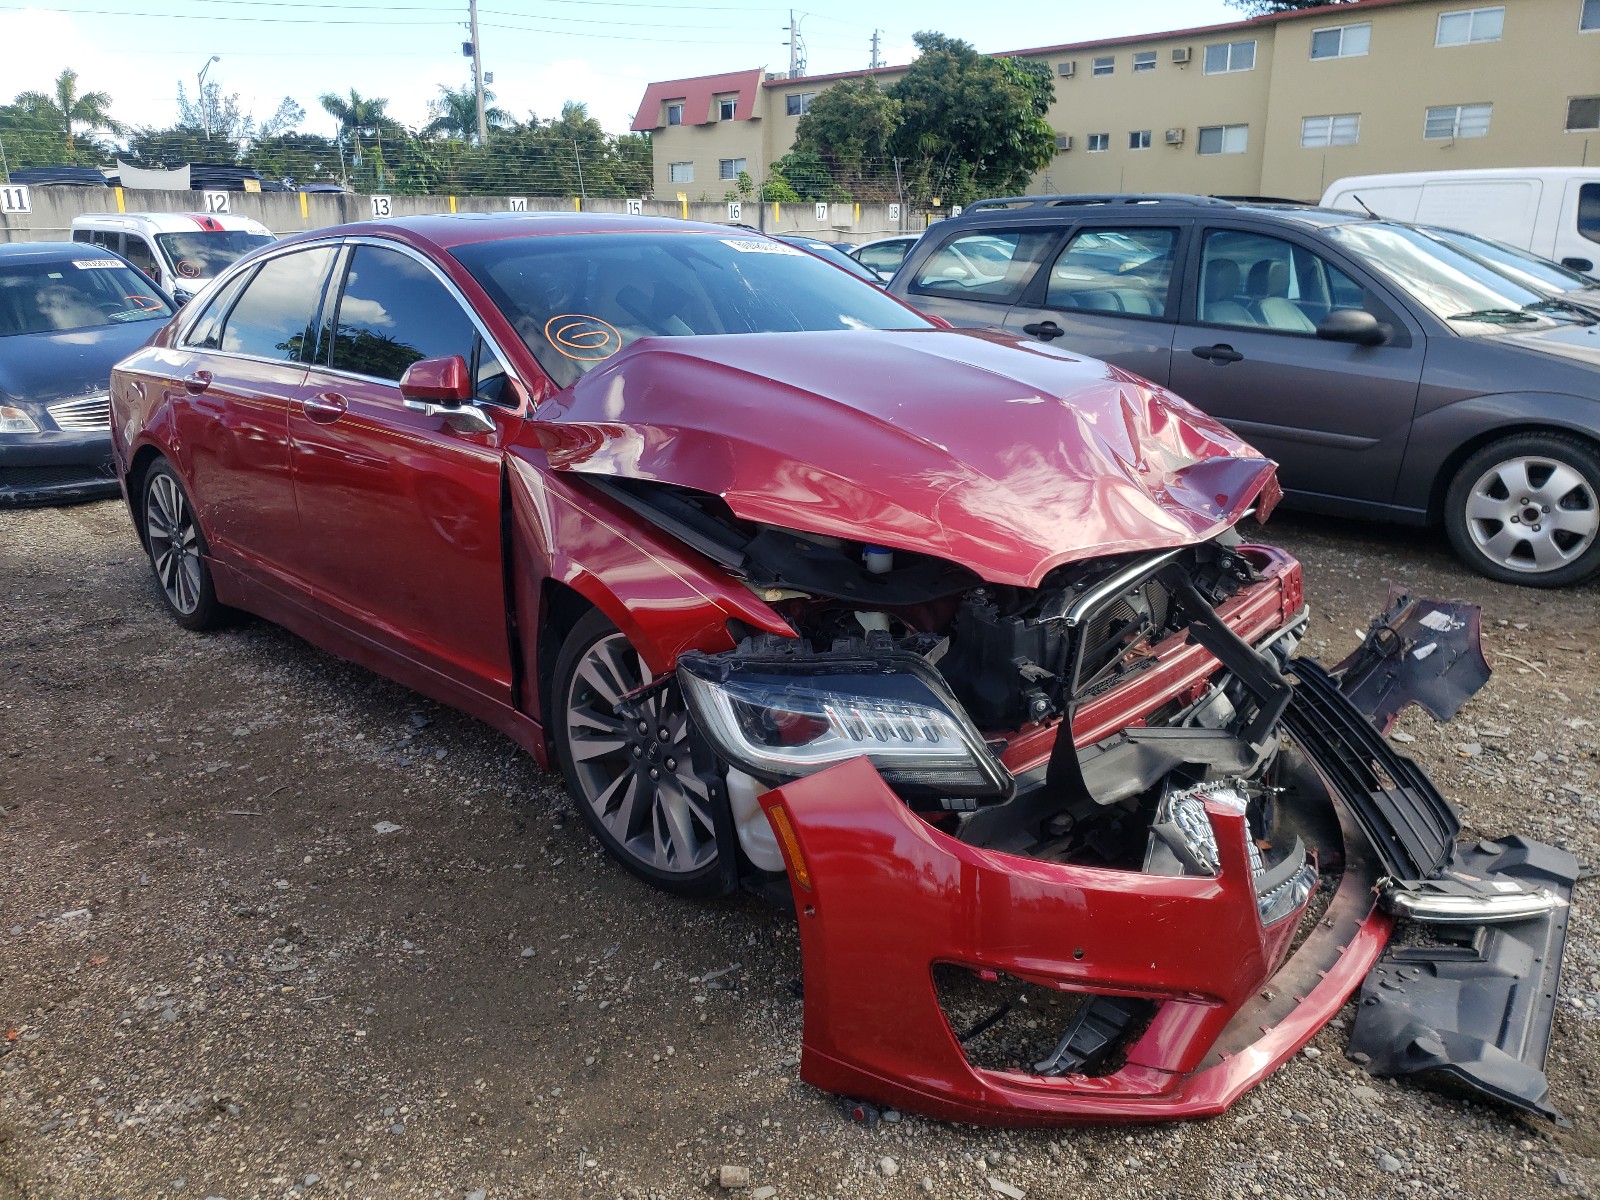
(779, 718)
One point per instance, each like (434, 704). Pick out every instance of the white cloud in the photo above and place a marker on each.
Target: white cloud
(36, 46)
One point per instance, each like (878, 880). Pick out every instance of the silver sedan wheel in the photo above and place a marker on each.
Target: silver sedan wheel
(174, 543)
(635, 771)
(1532, 514)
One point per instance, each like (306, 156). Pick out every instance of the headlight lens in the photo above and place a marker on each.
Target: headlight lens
(14, 420)
(780, 720)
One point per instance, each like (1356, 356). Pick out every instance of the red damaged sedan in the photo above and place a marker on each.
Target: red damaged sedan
(959, 633)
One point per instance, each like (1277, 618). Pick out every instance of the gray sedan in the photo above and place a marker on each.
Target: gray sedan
(1393, 376)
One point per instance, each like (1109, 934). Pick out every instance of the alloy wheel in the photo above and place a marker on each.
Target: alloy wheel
(1532, 514)
(174, 542)
(634, 770)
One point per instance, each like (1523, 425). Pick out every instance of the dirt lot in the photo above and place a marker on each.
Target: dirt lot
(219, 979)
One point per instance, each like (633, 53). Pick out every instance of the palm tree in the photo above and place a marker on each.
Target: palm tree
(357, 116)
(69, 109)
(455, 113)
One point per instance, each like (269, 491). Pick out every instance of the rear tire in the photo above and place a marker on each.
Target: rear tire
(1526, 510)
(633, 778)
(178, 550)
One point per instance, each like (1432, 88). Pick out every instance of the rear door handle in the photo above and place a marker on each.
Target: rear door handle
(1043, 330)
(197, 382)
(325, 407)
(1220, 353)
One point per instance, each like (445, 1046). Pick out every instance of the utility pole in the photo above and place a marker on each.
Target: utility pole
(578, 158)
(876, 61)
(477, 72)
(797, 48)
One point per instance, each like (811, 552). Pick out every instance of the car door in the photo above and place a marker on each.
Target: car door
(234, 374)
(1335, 415)
(136, 248)
(399, 509)
(977, 273)
(1110, 293)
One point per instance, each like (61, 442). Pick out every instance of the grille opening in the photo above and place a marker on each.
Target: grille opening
(1008, 1024)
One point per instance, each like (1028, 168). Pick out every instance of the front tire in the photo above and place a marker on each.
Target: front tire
(178, 551)
(1526, 510)
(632, 775)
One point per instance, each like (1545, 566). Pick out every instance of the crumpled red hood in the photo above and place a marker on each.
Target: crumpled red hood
(998, 453)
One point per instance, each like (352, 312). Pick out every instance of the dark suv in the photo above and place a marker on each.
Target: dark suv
(1392, 376)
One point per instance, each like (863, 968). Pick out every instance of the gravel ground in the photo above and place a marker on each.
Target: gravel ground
(272, 926)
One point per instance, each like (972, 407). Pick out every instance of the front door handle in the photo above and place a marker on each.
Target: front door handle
(1043, 330)
(197, 382)
(1220, 353)
(325, 407)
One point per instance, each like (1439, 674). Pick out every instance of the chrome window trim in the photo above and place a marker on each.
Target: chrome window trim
(338, 243)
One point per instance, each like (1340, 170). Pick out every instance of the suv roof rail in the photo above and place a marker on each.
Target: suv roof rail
(1069, 201)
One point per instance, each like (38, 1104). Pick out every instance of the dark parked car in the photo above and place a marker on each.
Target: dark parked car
(963, 634)
(829, 252)
(1392, 376)
(67, 313)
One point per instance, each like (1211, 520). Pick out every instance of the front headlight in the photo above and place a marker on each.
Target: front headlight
(778, 720)
(14, 420)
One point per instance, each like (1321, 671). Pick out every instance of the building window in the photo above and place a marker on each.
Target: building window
(1099, 142)
(730, 168)
(683, 172)
(1224, 57)
(797, 104)
(1063, 142)
(1589, 18)
(1145, 60)
(675, 114)
(1343, 41)
(1341, 130)
(1138, 139)
(1103, 66)
(1224, 139)
(725, 107)
(1583, 112)
(1457, 121)
(1469, 25)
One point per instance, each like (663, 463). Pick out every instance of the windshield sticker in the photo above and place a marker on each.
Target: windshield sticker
(89, 264)
(752, 246)
(584, 338)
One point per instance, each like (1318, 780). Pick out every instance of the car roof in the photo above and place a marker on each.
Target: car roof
(51, 252)
(166, 222)
(1067, 209)
(446, 230)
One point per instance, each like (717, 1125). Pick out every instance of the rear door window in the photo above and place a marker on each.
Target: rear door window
(988, 265)
(273, 318)
(206, 332)
(393, 312)
(1115, 270)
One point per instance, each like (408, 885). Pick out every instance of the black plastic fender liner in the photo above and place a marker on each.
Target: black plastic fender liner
(1476, 1009)
(1411, 826)
(1424, 652)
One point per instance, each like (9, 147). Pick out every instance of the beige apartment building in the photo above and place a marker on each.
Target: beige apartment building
(1280, 105)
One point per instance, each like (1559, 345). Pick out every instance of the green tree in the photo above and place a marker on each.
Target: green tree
(1258, 8)
(359, 117)
(68, 109)
(799, 175)
(850, 127)
(455, 114)
(970, 124)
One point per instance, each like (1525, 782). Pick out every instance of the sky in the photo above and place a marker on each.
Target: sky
(542, 52)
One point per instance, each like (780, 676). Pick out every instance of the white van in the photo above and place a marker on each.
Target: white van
(183, 252)
(1553, 212)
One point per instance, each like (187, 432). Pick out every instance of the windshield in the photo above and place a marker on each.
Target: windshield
(1472, 296)
(1525, 268)
(48, 297)
(576, 300)
(201, 255)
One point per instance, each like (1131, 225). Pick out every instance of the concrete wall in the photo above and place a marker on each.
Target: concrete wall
(291, 212)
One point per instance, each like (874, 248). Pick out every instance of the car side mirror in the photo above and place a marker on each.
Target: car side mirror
(437, 381)
(1353, 325)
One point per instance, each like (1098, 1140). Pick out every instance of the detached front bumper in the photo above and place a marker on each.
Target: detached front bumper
(883, 898)
(56, 468)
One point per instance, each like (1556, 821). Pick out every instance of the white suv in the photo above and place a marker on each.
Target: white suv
(183, 252)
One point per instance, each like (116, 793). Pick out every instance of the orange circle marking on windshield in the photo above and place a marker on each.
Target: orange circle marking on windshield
(587, 339)
(188, 268)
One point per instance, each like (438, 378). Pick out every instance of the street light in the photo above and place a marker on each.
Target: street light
(205, 109)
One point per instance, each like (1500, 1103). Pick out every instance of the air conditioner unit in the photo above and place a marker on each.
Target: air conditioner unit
(1175, 137)
(1067, 69)
(1180, 54)
(1063, 142)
